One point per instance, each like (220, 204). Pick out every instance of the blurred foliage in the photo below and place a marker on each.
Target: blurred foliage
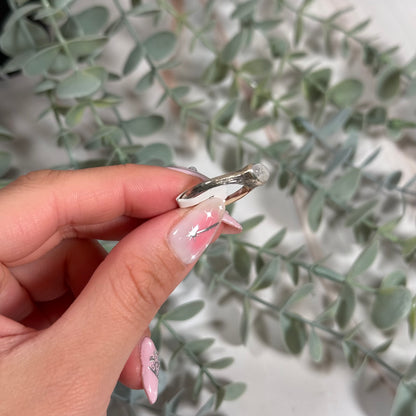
(268, 92)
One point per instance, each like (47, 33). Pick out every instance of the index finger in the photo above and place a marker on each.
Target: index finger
(40, 209)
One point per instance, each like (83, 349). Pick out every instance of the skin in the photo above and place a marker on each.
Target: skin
(71, 316)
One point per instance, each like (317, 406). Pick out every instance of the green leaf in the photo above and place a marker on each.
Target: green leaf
(390, 306)
(243, 10)
(5, 162)
(245, 320)
(133, 60)
(185, 311)
(315, 346)
(411, 319)
(345, 306)
(315, 84)
(394, 279)
(376, 116)
(106, 135)
(197, 385)
(200, 345)
(294, 333)
(220, 363)
(160, 45)
(159, 154)
(44, 86)
(75, 114)
(144, 125)
(88, 22)
(144, 10)
(204, 410)
(275, 240)
(279, 46)
(267, 275)
(293, 270)
(215, 72)
(389, 83)
(364, 260)
(346, 93)
(256, 124)
(5, 134)
(61, 4)
(345, 186)
(77, 85)
(298, 295)
(68, 139)
(315, 208)
(234, 390)
(327, 273)
(351, 353)
(298, 29)
(87, 45)
(252, 222)
(258, 68)
(145, 82)
(224, 115)
(180, 92)
(404, 403)
(40, 62)
(241, 260)
(392, 180)
(232, 47)
(360, 213)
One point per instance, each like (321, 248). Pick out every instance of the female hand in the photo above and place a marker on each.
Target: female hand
(74, 320)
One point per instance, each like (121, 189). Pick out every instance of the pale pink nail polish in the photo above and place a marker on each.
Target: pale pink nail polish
(149, 358)
(194, 232)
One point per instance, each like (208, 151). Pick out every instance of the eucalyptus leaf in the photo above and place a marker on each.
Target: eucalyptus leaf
(393, 279)
(41, 61)
(404, 403)
(78, 84)
(215, 72)
(220, 363)
(275, 240)
(346, 185)
(159, 154)
(298, 295)
(241, 260)
(294, 333)
(224, 115)
(391, 305)
(346, 306)
(142, 126)
(315, 84)
(90, 21)
(200, 345)
(86, 45)
(5, 162)
(351, 353)
(244, 10)
(160, 45)
(256, 124)
(360, 213)
(364, 260)
(315, 208)
(376, 116)
(5, 134)
(389, 83)
(232, 47)
(145, 82)
(68, 139)
(258, 68)
(293, 270)
(267, 275)
(245, 320)
(346, 93)
(279, 46)
(252, 222)
(234, 390)
(315, 346)
(44, 86)
(185, 311)
(134, 58)
(75, 114)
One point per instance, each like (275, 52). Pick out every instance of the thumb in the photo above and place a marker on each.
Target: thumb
(109, 317)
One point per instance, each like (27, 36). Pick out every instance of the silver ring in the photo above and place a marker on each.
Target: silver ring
(249, 178)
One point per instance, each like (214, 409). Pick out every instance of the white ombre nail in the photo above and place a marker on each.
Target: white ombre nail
(196, 230)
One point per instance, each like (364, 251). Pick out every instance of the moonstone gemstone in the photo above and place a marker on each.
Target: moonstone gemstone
(261, 173)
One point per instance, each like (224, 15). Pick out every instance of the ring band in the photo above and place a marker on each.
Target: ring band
(249, 178)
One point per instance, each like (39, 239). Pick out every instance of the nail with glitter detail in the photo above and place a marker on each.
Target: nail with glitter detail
(149, 358)
(193, 234)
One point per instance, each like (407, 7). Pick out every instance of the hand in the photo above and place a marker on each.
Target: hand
(74, 320)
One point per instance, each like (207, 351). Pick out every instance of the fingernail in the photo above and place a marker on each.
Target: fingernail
(189, 171)
(194, 232)
(229, 220)
(150, 368)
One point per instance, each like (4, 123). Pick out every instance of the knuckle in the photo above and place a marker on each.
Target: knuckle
(145, 285)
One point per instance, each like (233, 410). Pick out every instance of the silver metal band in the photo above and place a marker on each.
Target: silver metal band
(249, 178)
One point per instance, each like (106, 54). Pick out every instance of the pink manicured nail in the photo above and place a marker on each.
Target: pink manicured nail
(150, 368)
(193, 234)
